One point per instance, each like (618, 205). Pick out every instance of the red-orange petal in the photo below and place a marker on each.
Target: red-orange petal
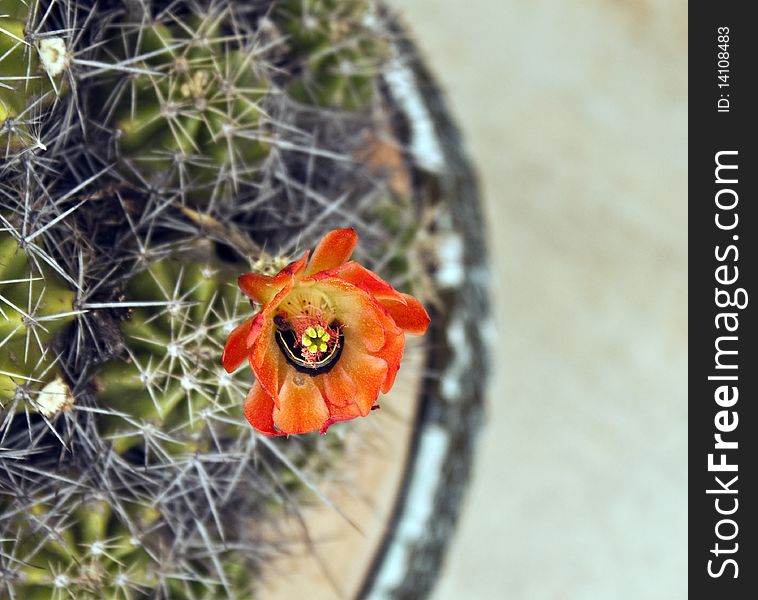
(333, 250)
(408, 313)
(362, 325)
(339, 387)
(255, 328)
(263, 288)
(363, 318)
(236, 348)
(291, 270)
(301, 406)
(411, 317)
(260, 288)
(369, 281)
(259, 409)
(392, 352)
(266, 360)
(368, 372)
(340, 413)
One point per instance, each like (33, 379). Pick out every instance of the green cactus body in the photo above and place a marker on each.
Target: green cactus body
(171, 378)
(30, 75)
(196, 103)
(34, 307)
(182, 120)
(89, 554)
(339, 54)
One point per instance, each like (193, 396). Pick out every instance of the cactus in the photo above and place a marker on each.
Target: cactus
(191, 109)
(31, 67)
(169, 377)
(77, 549)
(331, 41)
(78, 546)
(34, 307)
(159, 149)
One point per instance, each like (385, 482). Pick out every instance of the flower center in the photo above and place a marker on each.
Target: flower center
(308, 343)
(315, 339)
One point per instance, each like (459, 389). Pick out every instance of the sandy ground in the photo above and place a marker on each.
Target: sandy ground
(575, 113)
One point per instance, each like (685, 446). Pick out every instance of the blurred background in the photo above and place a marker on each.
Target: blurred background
(575, 113)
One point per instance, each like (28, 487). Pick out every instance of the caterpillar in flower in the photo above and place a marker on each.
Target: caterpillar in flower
(327, 340)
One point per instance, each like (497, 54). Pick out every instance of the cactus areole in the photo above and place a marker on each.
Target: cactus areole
(329, 337)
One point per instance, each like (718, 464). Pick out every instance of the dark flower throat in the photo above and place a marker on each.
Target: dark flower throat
(287, 340)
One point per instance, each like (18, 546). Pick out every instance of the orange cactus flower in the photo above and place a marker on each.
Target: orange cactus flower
(328, 338)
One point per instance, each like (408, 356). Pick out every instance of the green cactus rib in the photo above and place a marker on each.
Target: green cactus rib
(197, 102)
(85, 553)
(34, 307)
(82, 549)
(170, 379)
(339, 53)
(30, 74)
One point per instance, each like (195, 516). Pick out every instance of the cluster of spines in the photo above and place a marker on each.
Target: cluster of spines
(76, 545)
(189, 114)
(31, 75)
(169, 379)
(75, 548)
(336, 49)
(35, 306)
